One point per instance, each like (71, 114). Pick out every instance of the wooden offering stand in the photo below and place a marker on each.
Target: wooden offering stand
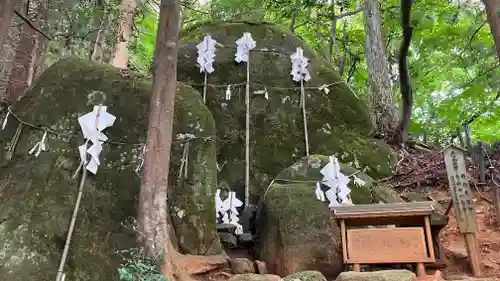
(393, 245)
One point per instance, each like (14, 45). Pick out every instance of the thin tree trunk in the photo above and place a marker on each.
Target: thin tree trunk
(492, 13)
(100, 23)
(25, 61)
(152, 217)
(120, 52)
(6, 14)
(383, 108)
(153, 211)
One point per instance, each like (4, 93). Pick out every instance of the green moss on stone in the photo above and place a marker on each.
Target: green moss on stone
(308, 275)
(338, 122)
(298, 232)
(37, 194)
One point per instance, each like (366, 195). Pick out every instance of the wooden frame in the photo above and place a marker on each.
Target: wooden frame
(409, 242)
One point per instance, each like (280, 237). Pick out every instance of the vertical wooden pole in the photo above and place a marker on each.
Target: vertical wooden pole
(304, 115)
(356, 267)
(420, 269)
(247, 136)
(428, 235)
(205, 88)
(454, 158)
(473, 252)
(344, 240)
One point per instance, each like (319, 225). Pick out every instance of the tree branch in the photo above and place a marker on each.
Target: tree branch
(347, 14)
(30, 24)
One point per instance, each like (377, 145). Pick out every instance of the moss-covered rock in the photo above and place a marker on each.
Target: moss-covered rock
(37, 195)
(308, 275)
(297, 232)
(338, 122)
(382, 275)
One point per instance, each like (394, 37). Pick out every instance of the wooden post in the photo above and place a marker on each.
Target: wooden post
(454, 159)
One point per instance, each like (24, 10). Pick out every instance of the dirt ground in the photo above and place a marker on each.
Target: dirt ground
(488, 234)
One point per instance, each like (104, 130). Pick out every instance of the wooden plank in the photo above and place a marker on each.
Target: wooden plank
(460, 190)
(344, 242)
(428, 236)
(402, 221)
(384, 210)
(473, 250)
(386, 245)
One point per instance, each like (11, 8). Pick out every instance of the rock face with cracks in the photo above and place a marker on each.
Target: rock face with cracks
(338, 121)
(296, 231)
(37, 195)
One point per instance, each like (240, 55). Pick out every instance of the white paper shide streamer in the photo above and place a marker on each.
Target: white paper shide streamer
(299, 66)
(338, 192)
(39, 146)
(92, 125)
(4, 123)
(205, 60)
(300, 73)
(227, 210)
(244, 45)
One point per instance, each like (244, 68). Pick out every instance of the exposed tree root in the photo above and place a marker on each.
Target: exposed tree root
(179, 267)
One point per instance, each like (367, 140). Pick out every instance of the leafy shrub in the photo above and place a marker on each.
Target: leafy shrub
(137, 267)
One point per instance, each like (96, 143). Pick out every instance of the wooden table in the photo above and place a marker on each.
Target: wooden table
(409, 241)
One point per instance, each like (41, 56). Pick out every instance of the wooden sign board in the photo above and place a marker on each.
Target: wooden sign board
(387, 245)
(460, 190)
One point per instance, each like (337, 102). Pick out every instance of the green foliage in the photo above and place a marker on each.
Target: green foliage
(73, 25)
(137, 267)
(453, 64)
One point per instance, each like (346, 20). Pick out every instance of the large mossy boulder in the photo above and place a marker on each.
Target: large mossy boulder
(37, 194)
(338, 122)
(297, 232)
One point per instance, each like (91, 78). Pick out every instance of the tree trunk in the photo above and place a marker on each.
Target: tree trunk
(383, 108)
(152, 217)
(100, 23)
(125, 30)
(28, 56)
(493, 16)
(153, 212)
(6, 14)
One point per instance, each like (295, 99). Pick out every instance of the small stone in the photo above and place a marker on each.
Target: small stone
(261, 267)
(458, 252)
(242, 266)
(489, 264)
(383, 275)
(437, 276)
(309, 275)
(255, 277)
